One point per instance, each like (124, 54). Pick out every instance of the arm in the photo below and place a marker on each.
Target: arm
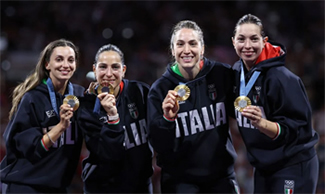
(24, 134)
(104, 139)
(161, 130)
(288, 110)
(269, 128)
(66, 113)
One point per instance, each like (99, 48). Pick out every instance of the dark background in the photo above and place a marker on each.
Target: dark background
(142, 29)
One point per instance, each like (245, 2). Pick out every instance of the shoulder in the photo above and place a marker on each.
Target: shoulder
(78, 90)
(282, 74)
(282, 79)
(134, 84)
(37, 93)
(218, 70)
(31, 95)
(160, 82)
(236, 66)
(217, 64)
(138, 84)
(214, 68)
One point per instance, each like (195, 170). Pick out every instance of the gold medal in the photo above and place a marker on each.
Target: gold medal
(242, 102)
(72, 101)
(109, 89)
(183, 92)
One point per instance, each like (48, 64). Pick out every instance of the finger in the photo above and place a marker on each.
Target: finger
(102, 95)
(66, 108)
(169, 105)
(172, 94)
(171, 101)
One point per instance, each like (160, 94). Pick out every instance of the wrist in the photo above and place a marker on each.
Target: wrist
(49, 137)
(170, 119)
(60, 127)
(113, 117)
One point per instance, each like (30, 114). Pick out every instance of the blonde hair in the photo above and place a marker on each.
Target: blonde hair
(39, 73)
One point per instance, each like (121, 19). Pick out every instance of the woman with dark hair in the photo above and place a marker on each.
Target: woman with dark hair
(273, 114)
(42, 142)
(113, 118)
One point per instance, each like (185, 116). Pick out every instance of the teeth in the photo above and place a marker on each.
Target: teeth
(187, 58)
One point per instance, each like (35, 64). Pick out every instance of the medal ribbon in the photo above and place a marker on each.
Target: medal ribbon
(244, 90)
(50, 87)
(97, 107)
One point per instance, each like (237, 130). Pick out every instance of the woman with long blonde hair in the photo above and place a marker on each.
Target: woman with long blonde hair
(42, 141)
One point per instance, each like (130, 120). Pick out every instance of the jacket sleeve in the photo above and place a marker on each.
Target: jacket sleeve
(24, 133)
(161, 131)
(289, 106)
(103, 140)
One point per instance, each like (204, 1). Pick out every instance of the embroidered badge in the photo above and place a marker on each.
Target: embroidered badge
(289, 186)
(133, 110)
(212, 91)
(50, 113)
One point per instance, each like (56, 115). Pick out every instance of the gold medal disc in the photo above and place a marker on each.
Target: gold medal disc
(72, 101)
(183, 92)
(242, 102)
(109, 89)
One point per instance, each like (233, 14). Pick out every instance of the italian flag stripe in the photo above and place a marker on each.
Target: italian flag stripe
(289, 191)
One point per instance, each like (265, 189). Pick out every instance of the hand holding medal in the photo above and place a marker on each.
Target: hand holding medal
(170, 104)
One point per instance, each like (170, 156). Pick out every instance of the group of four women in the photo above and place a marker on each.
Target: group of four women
(183, 117)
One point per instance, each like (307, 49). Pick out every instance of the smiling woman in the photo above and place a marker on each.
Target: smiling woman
(61, 67)
(114, 125)
(42, 130)
(277, 126)
(191, 135)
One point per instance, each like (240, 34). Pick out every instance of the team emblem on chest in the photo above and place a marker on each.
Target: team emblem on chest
(212, 91)
(289, 186)
(133, 110)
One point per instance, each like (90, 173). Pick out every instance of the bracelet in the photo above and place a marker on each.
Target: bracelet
(48, 135)
(113, 118)
(169, 119)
